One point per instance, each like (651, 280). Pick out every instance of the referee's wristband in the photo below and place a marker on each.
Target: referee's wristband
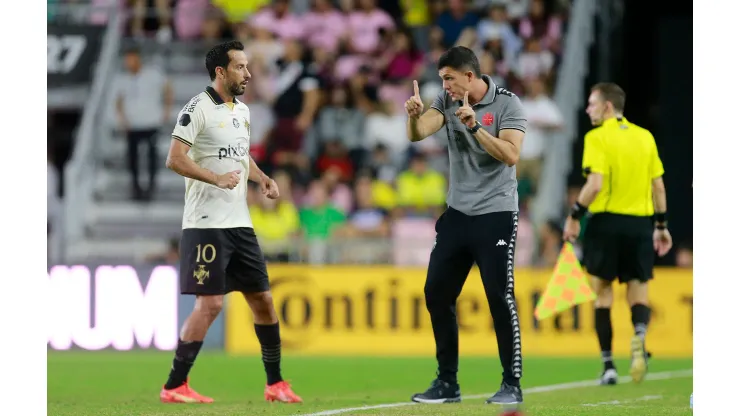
(578, 211)
(660, 220)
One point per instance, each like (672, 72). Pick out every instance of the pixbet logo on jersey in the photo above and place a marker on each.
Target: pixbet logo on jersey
(239, 151)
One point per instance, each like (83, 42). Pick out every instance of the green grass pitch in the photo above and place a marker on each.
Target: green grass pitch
(118, 383)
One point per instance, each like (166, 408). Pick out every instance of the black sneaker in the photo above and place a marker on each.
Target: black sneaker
(439, 392)
(609, 377)
(507, 394)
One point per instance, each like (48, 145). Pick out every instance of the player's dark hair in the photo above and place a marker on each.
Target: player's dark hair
(460, 58)
(612, 93)
(219, 56)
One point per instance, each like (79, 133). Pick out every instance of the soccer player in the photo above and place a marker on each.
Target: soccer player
(625, 193)
(219, 252)
(485, 126)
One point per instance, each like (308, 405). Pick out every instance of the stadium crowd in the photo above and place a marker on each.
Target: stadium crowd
(333, 77)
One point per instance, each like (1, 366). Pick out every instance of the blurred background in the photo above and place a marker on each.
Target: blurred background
(329, 82)
(328, 124)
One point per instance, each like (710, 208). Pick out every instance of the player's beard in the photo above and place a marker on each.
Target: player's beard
(236, 89)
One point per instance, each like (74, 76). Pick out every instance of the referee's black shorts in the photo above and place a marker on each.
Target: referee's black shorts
(619, 246)
(216, 261)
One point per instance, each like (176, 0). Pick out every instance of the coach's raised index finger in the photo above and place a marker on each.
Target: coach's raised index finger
(465, 100)
(416, 90)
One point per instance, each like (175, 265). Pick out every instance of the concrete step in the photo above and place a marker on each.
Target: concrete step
(111, 231)
(115, 185)
(135, 214)
(115, 251)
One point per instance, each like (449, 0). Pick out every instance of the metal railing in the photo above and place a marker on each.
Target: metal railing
(79, 172)
(569, 95)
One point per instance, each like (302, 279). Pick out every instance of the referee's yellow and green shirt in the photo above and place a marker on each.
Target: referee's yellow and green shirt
(627, 157)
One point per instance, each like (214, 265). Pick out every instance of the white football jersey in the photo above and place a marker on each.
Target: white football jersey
(218, 136)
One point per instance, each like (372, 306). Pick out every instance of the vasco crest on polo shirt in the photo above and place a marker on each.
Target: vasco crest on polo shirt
(236, 123)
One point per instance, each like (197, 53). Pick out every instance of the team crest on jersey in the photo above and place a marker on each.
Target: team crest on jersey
(236, 123)
(487, 119)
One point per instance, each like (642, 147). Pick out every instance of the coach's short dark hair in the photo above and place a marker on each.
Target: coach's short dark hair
(219, 56)
(460, 58)
(612, 93)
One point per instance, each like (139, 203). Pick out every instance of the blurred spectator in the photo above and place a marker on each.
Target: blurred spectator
(416, 18)
(264, 51)
(544, 118)
(685, 255)
(385, 126)
(338, 193)
(275, 223)
(142, 22)
(238, 11)
(170, 256)
(366, 221)
(495, 27)
(295, 98)
(144, 104)
(365, 24)
(551, 242)
(534, 61)
(455, 20)
(421, 191)
(516, 9)
(382, 165)
(279, 20)
(318, 221)
(536, 24)
(189, 16)
(341, 120)
(215, 28)
(489, 66)
(402, 61)
(335, 156)
(325, 26)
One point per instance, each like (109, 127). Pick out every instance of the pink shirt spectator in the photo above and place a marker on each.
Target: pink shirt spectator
(552, 33)
(403, 65)
(189, 16)
(347, 66)
(364, 28)
(325, 29)
(288, 26)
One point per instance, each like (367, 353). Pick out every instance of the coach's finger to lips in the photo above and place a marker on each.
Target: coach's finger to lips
(465, 99)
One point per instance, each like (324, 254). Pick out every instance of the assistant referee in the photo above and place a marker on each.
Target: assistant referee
(625, 193)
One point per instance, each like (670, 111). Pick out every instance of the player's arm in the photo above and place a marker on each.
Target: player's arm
(508, 145)
(189, 125)
(422, 124)
(660, 203)
(505, 148)
(255, 173)
(594, 167)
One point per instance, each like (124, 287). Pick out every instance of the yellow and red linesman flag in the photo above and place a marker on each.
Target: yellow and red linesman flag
(567, 287)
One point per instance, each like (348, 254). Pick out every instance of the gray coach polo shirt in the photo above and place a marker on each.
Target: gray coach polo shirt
(480, 184)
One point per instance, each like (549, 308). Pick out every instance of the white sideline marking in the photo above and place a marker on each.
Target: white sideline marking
(665, 375)
(620, 402)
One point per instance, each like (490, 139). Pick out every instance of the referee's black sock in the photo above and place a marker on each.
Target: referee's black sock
(269, 337)
(603, 324)
(183, 362)
(640, 319)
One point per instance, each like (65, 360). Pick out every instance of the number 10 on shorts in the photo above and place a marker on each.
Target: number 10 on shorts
(207, 253)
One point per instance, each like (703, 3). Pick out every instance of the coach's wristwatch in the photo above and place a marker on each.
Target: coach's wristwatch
(475, 128)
